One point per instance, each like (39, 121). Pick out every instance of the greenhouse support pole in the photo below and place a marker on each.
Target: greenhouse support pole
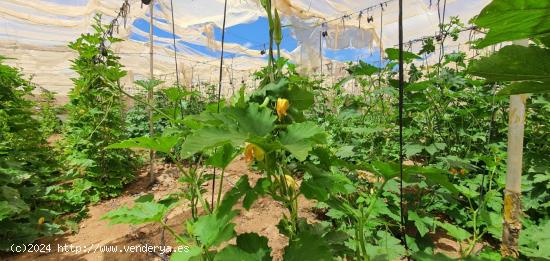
(220, 95)
(321, 50)
(174, 39)
(401, 105)
(150, 93)
(512, 193)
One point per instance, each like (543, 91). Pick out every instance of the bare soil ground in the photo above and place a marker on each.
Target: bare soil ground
(94, 231)
(262, 218)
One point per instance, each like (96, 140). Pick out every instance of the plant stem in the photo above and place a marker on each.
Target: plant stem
(178, 237)
(220, 189)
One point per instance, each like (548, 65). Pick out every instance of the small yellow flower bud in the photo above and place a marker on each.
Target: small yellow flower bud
(291, 183)
(251, 152)
(282, 107)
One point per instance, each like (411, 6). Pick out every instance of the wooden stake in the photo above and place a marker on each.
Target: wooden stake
(512, 193)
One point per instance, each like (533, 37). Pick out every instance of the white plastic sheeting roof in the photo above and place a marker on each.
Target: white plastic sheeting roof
(36, 33)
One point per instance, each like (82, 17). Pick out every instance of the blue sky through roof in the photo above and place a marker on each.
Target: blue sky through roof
(255, 36)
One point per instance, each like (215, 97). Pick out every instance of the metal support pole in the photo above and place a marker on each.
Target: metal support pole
(150, 92)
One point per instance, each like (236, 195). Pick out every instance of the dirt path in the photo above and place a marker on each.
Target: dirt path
(261, 218)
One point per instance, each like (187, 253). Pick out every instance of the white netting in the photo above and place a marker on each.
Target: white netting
(36, 33)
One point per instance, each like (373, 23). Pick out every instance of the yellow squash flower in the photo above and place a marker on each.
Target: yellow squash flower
(251, 152)
(291, 183)
(282, 107)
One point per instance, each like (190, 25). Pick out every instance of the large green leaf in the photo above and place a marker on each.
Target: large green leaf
(148, 84)
(141, 212)
(223, 156)
(529, 65)
(308, 246)
(388, 247)
(241, 188)
(250, 247)
(210, 137)
(509, 20)
(162, 144)
(525, 87)
(300, 98)
(322, 184)
(186, 254)
(235, 253)
(11, 203)
(433, 176)
(456, 232)
(393, 55)
(363, 69)
(301, 137)
(213, 229)
(272, 88)
(254, 120)
(384, 169)
(175, 94)
(514, 63)
(420, 223)
(534, 241)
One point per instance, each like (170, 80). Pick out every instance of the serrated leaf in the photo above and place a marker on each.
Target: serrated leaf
(223, 156)
(213, 229)
(250, 247)
(241, 188)
(412, 149)
(254, 120)
(514, 63)
(393, 55)
(274, 88)
(534, 241)
(363, 69)
(456, 232)
(235, 253)
(419, 223)
(210, 137)
(185, 255)
(140, 213)
(300, 138)
(525, 87)
(388, 247)
(384, 169)
(509, 20)
(300, 98)
(162, 143)
(433, 176)
(307, 246)
(322, 183)
(345, 152)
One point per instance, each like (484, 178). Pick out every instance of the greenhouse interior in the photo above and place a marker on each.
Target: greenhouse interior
(303, 130)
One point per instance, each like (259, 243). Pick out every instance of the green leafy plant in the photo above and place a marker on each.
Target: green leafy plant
(27, 165)
(526, 66)
(48, 113)
(95, 121)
